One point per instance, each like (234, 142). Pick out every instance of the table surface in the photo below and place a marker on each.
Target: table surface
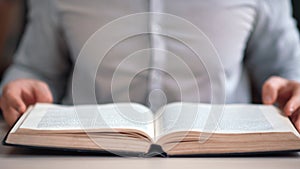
(12, 157)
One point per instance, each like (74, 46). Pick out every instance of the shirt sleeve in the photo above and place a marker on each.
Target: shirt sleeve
(42, 53)
(273, 47)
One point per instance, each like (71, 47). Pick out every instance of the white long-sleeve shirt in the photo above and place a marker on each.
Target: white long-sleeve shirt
(253, 38)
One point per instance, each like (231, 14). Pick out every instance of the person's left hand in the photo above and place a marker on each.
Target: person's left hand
(286, 94)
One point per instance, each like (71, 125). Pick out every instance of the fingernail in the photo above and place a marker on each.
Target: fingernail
(20, 109)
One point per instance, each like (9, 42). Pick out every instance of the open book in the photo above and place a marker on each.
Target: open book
(175, 129)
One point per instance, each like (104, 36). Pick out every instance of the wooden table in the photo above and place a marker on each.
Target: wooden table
(15, 158)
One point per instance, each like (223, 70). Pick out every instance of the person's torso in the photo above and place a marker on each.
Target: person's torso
(147, 63)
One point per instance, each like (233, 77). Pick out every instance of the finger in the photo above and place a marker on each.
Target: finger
(42, 93)
(271, 89)
(293, 103)
(10, 115)
(28, 97)
(296, 120)
(282, 101)
(14, 100)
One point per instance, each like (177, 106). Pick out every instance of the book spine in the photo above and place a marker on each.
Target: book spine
(155, 150)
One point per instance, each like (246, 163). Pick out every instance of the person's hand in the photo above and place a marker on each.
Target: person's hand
(19, 94)
(286, 94)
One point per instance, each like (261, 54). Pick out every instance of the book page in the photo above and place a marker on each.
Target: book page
(230, 119)
(180, 117)
(21, 119)
(86, 117)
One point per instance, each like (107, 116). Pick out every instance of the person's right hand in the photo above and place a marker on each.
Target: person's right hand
(19, 94)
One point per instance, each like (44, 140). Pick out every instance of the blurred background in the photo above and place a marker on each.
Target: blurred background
(12, 24)
(296, 8)
(13, 21)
